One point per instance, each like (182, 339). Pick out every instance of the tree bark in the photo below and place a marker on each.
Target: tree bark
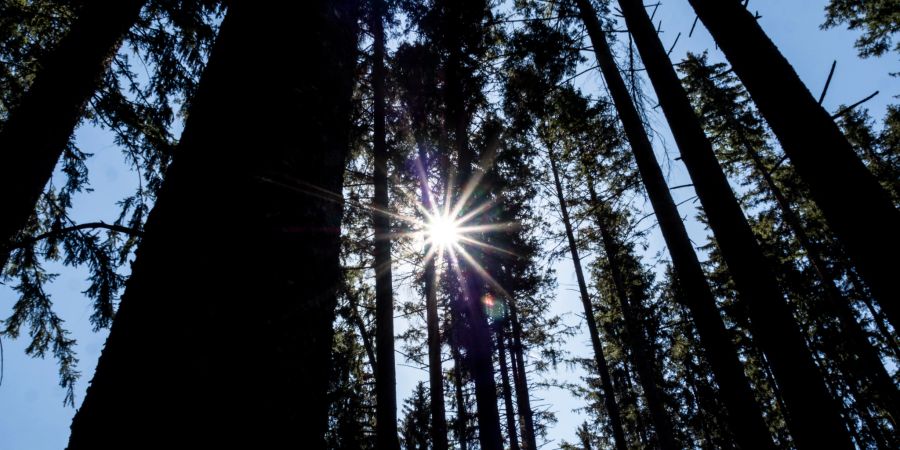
(744, 414)
(645, 366)
(224, 340)
(814, 416)
(609, 394)
(855, 206)
(37, 130)
(385, 377)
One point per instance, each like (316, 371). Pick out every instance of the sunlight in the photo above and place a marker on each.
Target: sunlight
(443, 232)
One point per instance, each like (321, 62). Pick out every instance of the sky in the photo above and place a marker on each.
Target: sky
(32, 415)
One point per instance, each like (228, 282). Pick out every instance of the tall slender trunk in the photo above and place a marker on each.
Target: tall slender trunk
(868, 361)
(609, 394)
(432, 319)
(435, 364)
(37, 130)
(507, 389)
(855, 205)
(520, 379)
(814, 419)
(385, 375)
(744, 415)
(461, 413)
(646, 368)
(216, 345)
(480, 353)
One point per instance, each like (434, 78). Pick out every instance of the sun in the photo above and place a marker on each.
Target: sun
(442, 231)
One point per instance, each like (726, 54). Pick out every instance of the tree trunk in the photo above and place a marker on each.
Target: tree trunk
(744, 415)
(385, 376)
(609, 394)
(814, 418)
(223, 337)
(38, 129)
(507, 390)
(480, 353)
(645, 366)
(520, 379)
(856, 207)
(461, 413)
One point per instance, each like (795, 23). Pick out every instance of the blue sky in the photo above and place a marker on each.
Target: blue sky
(31, 413)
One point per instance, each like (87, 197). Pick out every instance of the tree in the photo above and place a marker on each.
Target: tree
(385, 379)
(600, 360)
(246, 180)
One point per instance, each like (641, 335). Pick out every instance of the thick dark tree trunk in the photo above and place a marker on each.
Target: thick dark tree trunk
(744, 415)
(224, 334)
(856, 207)
(646, 368)
(36, 133)
(609, 394)
(385, 375)
(520, 379)
(813, 415)
(507, 389)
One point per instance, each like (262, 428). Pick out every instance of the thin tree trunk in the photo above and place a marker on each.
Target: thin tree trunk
(432, 320)
(225, 340)
(461, 413)
(435, 365)
(744, 415)
(520, 378)
(647, 374)
(815, 418)
(609, 394)
(385, 376)
(37, 130)
(507, 390)
(855, 205)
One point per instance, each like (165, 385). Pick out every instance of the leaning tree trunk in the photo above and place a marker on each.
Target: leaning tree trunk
(744, 415)
(855, 206)
(224, 334)
(38, 129)
(609, 394)
(813, 416)
(385, 371)
(637, 340)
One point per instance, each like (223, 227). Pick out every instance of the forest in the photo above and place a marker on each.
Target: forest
(448, 224)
